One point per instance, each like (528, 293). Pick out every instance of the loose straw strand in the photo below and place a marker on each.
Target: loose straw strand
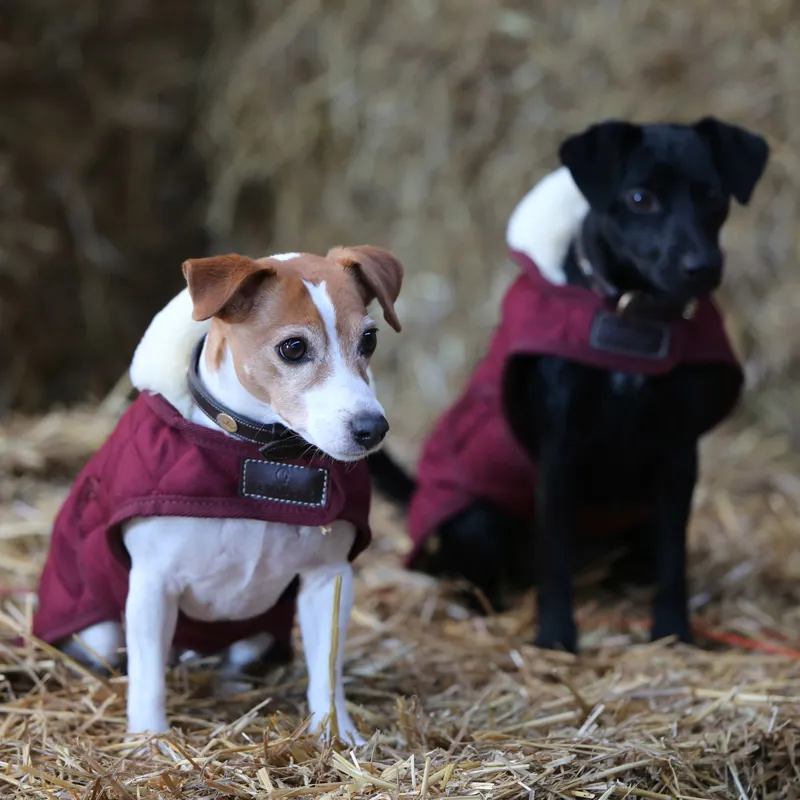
(337, 598)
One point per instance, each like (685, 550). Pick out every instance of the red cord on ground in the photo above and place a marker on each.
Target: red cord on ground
(723, 637)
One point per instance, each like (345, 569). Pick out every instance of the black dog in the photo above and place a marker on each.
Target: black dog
(658, 196)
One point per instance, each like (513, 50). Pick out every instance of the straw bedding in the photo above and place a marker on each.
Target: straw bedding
(464, 706)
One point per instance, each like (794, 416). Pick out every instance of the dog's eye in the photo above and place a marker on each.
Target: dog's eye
(369, 341)
(292, 350)
(643, 201)
(708, 194)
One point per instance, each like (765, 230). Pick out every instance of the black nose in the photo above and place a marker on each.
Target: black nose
(369, 429)
(696, 265)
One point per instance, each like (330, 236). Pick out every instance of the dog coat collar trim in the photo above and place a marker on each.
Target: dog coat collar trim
(575, 322)
(640, 305)
(273, 439)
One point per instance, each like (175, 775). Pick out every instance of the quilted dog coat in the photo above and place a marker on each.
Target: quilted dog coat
(471, 453)
(157, 463)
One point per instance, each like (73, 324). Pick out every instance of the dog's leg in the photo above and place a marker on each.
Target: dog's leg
(151, 615)
(242, 656)
(676, 481)
(315, 610)
(476, 545)
(241, 660)
(97, 647)
(553, 555)
(250, 658)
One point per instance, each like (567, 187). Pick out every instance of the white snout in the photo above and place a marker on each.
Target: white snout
(344, 418)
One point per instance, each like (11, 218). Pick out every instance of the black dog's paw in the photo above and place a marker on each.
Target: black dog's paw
(561, 635)
(672, 626)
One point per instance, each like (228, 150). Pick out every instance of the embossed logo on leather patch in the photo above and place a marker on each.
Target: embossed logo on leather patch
(284, 483)
(629, 337)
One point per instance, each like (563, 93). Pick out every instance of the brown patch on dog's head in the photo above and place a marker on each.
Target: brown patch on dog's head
(379, 273)
(294, 329)
(224, 286)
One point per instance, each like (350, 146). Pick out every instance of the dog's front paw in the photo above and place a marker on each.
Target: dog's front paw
(671, 625)
(349, 734)
(557, 635)
(143, 743)
(347, 730)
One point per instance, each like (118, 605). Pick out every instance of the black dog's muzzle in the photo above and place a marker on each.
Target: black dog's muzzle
(636, 304)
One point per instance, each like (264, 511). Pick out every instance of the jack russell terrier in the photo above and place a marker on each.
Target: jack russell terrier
(235, 486)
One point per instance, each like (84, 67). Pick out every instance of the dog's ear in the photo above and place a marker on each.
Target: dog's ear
(596, 158)
(379, 273)
(223, 286)
(739, 156)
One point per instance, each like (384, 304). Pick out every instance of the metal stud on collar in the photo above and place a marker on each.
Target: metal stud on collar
(624, 302)
(227, 422)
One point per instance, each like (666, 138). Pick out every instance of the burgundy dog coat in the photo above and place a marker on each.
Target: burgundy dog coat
(158, 464)
(472, 454)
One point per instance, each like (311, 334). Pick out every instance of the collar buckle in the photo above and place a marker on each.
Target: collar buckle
(627, 302)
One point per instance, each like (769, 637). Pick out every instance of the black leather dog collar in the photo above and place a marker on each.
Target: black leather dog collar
(273, 439)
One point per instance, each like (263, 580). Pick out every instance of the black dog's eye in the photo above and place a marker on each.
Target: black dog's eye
(369, 341)
(708, 194)
(292, 350)
(643, 201)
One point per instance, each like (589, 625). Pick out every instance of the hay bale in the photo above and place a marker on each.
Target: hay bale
(100, 188)
(418, 126)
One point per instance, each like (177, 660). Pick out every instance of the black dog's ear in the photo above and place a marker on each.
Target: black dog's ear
(596, 158)
(739, 156)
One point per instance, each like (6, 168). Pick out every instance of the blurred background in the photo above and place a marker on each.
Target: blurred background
(139, 133)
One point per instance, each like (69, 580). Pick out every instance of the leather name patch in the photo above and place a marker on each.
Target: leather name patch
(284, 483)
(629, 337)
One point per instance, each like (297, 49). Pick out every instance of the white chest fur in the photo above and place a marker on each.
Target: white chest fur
(227, 570)
(230, 569)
